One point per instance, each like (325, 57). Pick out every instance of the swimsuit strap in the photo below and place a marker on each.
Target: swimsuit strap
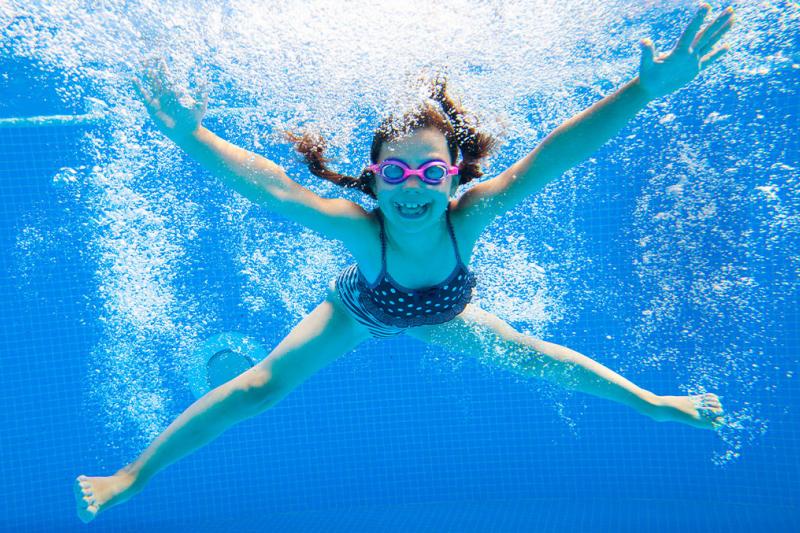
(383, 247)
(449, 229)
(453, 236)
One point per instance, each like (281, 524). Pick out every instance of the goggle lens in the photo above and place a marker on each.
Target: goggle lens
(394, 173)
(436, 172)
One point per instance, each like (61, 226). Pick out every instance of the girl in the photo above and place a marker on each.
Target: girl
(412, 251)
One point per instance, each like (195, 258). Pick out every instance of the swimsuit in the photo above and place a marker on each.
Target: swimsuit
(387, 308)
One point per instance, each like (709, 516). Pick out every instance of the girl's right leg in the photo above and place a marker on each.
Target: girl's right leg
(321, 337)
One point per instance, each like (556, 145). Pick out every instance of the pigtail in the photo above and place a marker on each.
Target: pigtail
(474, 145)
(312, 148)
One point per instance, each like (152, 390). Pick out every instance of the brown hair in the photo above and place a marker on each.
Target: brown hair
(457, 128)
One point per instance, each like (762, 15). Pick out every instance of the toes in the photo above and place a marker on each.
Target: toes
(87, 503)
(84, 492)
(710, 400)
(711, 413)
(709, 408)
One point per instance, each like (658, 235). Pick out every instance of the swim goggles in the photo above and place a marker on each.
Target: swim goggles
(396, 171)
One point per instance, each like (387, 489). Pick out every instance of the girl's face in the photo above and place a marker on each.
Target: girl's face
(415, 150)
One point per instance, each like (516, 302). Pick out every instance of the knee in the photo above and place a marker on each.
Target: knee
(258, 389)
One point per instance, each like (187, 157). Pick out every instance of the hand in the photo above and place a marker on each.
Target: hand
(176, 114)
(662, 74)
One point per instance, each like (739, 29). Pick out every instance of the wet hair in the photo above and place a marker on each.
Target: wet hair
(459, 130)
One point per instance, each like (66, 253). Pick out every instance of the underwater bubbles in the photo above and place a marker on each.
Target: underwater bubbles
(714, 213)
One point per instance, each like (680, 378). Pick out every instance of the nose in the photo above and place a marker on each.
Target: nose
(413, 182)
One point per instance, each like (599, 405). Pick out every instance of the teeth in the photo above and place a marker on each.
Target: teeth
(411, 209)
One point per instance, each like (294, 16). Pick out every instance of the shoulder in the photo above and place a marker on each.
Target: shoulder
(363, 232)
(466, 229)
(468, 219)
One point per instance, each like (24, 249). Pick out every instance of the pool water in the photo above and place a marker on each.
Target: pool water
(669, 256)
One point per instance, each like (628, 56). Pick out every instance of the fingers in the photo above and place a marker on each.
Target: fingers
(648, 54)
(153, 81)
(203, 89)
(144, 95)
(688, 35)
(706, 39)
(156, 74)
(709, 43)
(149, 91)
(146, 84)
(154, 78)
(202, 103)
(158, 92)
(713, 57)
(162, 74)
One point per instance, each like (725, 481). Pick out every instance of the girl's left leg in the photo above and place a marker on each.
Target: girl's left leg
(481, 334)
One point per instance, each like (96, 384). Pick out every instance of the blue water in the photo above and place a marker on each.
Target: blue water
(670, 257)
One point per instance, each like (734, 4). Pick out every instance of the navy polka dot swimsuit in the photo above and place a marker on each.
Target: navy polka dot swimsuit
(387, 308)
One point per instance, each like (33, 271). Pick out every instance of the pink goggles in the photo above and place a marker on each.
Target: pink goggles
(396, 171)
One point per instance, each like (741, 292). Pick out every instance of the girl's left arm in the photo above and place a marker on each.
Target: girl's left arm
(580, 136)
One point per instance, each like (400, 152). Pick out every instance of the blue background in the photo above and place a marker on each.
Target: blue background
(386, 438)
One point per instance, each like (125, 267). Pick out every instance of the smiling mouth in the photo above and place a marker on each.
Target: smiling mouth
(412, 209)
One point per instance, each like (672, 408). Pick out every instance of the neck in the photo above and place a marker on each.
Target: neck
(420, 242)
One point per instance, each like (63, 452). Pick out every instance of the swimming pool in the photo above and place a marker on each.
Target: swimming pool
(669, 256)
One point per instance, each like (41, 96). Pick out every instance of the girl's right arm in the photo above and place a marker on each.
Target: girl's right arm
(251, 175)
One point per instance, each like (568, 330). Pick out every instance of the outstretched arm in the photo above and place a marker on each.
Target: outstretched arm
(179, 117)
(255, 177)
(583, 134)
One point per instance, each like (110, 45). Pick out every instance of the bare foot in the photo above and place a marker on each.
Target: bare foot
(95, 494)
(702, 411)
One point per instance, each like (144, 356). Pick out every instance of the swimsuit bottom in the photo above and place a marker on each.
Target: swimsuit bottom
(348, 291)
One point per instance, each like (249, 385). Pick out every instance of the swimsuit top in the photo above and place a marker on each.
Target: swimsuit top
(398, 306)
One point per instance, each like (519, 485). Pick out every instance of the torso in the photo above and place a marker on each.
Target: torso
(407, 269)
